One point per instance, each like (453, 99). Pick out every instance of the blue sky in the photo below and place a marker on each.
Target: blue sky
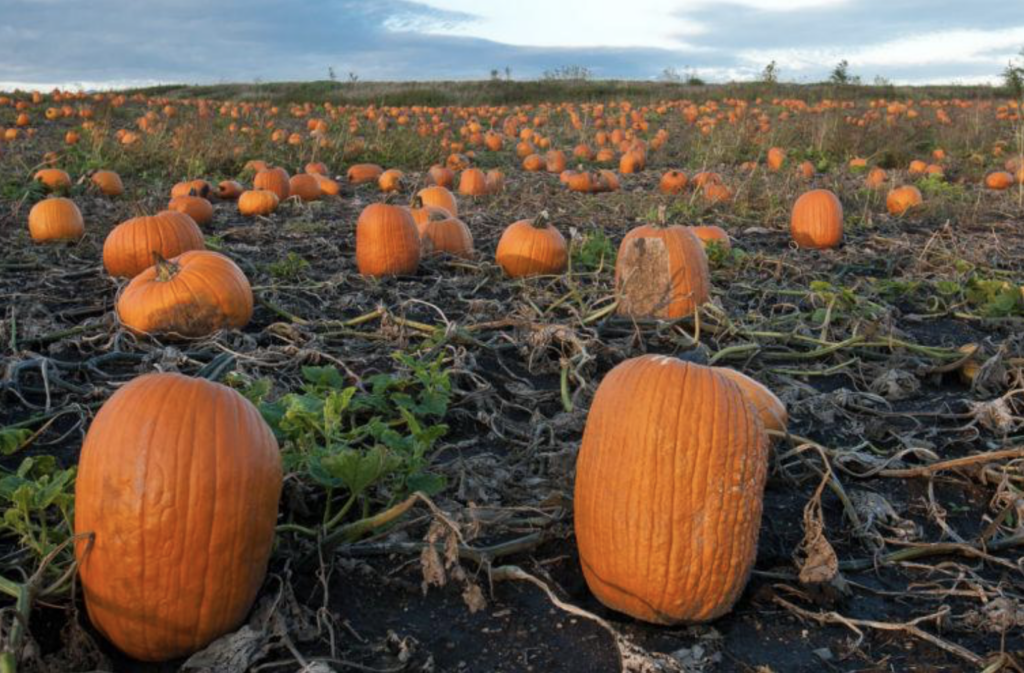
(109, 43)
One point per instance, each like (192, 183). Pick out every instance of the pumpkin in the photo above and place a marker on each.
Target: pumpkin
(390, 180)
(192, 187)
(770, 408)
(440, 197)
(359, 174)
(716, 192)
(631, 162)
(229, 190)
(179, 481)
(609, 182)
(495, 181)
(328, 186)
(441, 176)
(583, 152)
(55, 179)
(472, 182)
(999, 180)
(255, 166)
(274, 180)
(579, 181)
(555, 161)
(196, 207)
(257, 202)
(673, 182)
(532, 247)
(387, 241)
(317, 167)
(817, 220)
(776, 158)
(903, 200)
(712, 234)
(917, 167)
(108, 182)
(193, 295)
(669, 487)
(805, 170)
(304, 186)
(442, 232)
(129, 247)
(533, 163)
(705, 178)
(55, 219)
(876, 178)
(661, 272)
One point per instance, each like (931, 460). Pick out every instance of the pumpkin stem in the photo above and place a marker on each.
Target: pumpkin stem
(166, 270)
(417, 202)
(541, 220)
(662, 215)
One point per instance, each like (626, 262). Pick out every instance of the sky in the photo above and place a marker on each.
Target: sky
(115, 43)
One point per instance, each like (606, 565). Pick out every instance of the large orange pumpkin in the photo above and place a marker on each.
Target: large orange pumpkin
(129, 247)
(531, 248)
(661, 272)
(669, 485)
(387, 241)
(817, 220)
(55, 219)
(769, 407)
(473, 182)
(178, 481)
(193, 295)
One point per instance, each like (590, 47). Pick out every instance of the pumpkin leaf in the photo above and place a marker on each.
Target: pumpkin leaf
(324, 377)
(13, 440)
(426, 482)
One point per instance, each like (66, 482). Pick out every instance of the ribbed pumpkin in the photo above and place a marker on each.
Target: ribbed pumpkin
(441, 176)
(359, 174)
(769, 407)
(55, 219)
(129, 247)
(532, 247)
(661, 272)
(305, 186)
(712, 234)
(443, 232)
(472, 182)
(193, 295)
(55, 179)
(902, 200)
(387, 241)
(390, 180)
(196, 207)
(817, 220)
(439, 197)
(108, 182)
(274, 180)
(257, 202)
(669, 485)
(179, 481)
(673, 182)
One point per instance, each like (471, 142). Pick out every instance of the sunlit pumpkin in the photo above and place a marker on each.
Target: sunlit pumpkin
(196, 207)
(817, 220)
(257, 202)
(903, 200)
(274, 180)
(55, 219)
(532, 248)
(387, 241)
(129, 247)
(661, 271)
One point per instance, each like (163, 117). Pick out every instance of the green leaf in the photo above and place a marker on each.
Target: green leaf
(358, 471)
(324, 377)
(13, 440)
(426, 482)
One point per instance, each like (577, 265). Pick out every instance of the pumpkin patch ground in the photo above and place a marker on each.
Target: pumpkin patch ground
(430, 410)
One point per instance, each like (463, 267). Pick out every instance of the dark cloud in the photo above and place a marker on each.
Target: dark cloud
(49, 41)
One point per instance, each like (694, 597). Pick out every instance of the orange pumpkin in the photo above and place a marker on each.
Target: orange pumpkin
(769, 407)
(387, 241)
(317, 167)
(495, 181)
(669, 485)
(229, 190)
(305, 186)
(390, 180)
(192, 187)
(534, 163)
(472, 182)
(554, 161)
(440, 197)
(443, 232)
(196, 207)
(876, 178)
(359, 174)
(55, 179)
(661, 272)
(715, 193)
(776, 158)
(903, 200)
(999, 180)
(712, 234)
(174, 470)
(274, 180)
(441, 176)
(129, 247)
(673, 182)
(328, 186)
(108, 182)
(817, 220)
(257, 202)
(55, 219)
(532, 248)
(193, 295)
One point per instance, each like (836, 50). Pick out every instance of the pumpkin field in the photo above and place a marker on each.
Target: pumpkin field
(651, 378)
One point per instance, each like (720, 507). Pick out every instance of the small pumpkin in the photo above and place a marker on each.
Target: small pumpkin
(442, 232)
(673, 182)
(108, 182)
(534, 163)
(817, 220)
(531, 248)
(55, 219)
(495, 181)
(387, 241)
(472, 182)
(328, 186)
(305, 186)
(200, 188)
(274, 180)
(712, 234)
(876, 178)
(317, 167)
(441, 176)
(716, 192)
(390, 180)
(661, 271)
(193, 295)
(229, 190)
(196, 207)
(776, 158)
(440, 197)
(555, 161)
(257, 202)
(54, 179)
(903, 200)
(669, 489)
(359, 174)
(999, 180)
(129, 247)
(174, 470)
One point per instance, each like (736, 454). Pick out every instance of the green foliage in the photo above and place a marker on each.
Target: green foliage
(371, 442)
(37, 501)
(936, 187)
(14, 190)
(843, 301)
(292, 267)
(13, 440)
(994, 298)
(593, 251)
(720, 256)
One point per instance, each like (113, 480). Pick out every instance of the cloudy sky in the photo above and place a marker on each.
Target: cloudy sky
(109, 43)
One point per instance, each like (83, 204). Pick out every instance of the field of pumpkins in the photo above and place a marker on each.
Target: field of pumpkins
(709, 384)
